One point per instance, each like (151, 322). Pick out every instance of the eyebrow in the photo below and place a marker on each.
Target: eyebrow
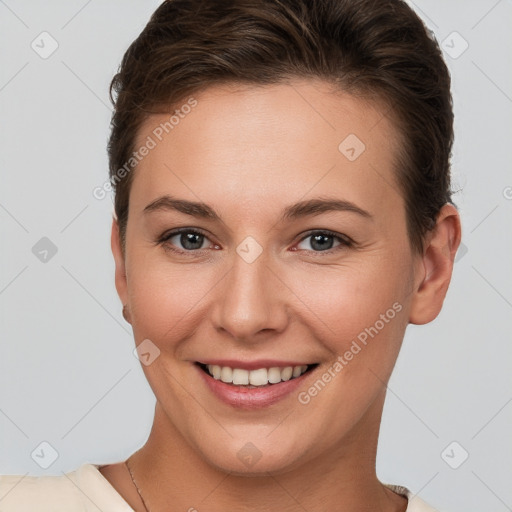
(301, 209)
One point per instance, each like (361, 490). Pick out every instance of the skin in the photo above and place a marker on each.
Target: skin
(249, 152)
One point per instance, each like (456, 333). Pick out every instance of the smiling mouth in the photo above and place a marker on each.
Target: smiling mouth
(259, 378)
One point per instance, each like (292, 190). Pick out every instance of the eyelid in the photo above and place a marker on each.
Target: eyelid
(163, 240)
(173, 232)
(344, 240)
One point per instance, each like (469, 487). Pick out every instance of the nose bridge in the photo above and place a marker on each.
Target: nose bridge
(251, 300)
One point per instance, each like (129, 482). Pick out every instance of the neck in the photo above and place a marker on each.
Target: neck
(168, 470)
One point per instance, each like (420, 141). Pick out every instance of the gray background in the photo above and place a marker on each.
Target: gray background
(68, 376)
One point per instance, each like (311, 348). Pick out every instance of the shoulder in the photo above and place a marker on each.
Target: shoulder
(81, 490)
(415, 504)
(43, 493)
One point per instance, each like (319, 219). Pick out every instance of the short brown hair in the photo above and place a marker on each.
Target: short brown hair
(377, 49)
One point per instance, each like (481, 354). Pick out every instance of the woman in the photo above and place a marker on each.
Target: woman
(282, 213)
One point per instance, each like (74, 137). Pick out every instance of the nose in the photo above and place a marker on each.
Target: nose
(252, 301)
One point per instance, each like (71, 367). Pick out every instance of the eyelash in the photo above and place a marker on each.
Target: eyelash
(345, 242)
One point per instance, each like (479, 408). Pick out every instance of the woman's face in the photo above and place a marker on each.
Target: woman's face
(293, 252)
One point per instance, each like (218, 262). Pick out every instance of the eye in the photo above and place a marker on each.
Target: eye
(188, 240)
(184, 240)
(323, 241)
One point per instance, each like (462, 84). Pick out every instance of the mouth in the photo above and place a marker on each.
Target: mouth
(258, 378)
(255, 388)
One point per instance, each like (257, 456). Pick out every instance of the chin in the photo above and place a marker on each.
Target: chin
(243, 457)
(275, 464)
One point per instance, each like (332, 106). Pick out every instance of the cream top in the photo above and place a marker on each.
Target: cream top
(87, 490)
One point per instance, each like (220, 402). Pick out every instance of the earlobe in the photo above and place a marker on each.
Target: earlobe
(436, 267)
(119, 260)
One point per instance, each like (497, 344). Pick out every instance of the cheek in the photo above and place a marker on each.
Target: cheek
(336, 304)
(165, 298)
(361, 317)
(344, 302)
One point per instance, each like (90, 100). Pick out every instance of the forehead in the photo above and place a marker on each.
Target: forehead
(258, 144)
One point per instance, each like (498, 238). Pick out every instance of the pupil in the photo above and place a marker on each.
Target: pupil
(322, 242)
(191, 240)
(195, 241)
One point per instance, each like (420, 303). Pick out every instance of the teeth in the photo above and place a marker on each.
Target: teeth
(260, 377)
(274, 375)
(286, 373)
(215, 370)
(240, 377)
(297, 370)
(226, 374)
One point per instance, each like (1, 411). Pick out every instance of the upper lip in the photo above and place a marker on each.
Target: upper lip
(253, 365)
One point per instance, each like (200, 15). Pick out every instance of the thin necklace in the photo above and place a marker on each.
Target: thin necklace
(136, 486)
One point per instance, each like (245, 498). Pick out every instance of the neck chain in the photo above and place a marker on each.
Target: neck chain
(136, 486)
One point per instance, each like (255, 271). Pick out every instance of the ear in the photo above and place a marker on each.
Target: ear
(120, 273)
(434, 269)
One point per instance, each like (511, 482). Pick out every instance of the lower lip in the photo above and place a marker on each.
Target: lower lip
(251, 398)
